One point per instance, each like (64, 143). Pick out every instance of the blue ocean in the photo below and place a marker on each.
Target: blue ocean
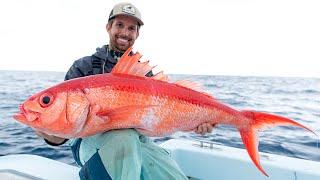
(296, 98)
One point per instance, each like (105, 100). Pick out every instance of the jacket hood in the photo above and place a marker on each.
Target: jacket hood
(101, 52)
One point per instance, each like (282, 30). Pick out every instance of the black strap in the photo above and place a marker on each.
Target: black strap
(54, 144)
(75, 147)
(96, 65)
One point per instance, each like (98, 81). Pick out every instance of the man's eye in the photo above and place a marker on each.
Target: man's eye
(119, 25)
(132, 28)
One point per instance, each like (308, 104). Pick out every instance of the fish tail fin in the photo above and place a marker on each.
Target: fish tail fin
(260, 120)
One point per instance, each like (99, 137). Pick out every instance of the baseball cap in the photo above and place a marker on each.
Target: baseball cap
(126, 9)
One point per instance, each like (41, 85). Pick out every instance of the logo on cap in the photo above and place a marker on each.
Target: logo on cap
(128, 9)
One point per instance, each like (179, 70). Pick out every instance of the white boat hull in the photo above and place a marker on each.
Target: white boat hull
(27, 167)
(206, 161)
(210, 161)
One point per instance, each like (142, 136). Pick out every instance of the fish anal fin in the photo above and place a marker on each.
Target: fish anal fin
(130, 64)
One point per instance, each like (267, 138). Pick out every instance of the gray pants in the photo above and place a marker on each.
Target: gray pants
(126, 154)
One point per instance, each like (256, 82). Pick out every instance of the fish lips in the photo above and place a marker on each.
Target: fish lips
(20, 117)
(25, 115)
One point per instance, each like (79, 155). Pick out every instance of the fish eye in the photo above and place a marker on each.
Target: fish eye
(46, 100)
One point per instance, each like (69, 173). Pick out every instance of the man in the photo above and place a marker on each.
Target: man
(118, 154)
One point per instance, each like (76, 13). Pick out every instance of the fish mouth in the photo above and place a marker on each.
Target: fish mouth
(26, 115)
(20, 117)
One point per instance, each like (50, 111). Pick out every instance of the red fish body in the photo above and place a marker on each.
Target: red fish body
(125, 98)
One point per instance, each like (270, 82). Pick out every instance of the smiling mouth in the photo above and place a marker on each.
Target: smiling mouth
(123, 39)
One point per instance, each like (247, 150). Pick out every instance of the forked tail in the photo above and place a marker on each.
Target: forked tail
(260, 120)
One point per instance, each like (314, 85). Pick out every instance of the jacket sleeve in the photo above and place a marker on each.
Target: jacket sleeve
(80, 68)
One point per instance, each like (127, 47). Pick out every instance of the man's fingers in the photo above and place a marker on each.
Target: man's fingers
(204, 129)
(210, 127)
(199, 129)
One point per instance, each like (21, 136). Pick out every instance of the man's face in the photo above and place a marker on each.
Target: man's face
(123, 31)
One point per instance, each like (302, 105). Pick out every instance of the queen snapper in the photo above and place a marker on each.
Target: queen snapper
(125, 98)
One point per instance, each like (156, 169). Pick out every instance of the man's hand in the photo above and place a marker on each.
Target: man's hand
(51, 138)
(204, 128)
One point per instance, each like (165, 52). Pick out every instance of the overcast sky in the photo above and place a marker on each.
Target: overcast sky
(218, 37)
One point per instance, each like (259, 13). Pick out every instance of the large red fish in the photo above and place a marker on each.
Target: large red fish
(125, 98)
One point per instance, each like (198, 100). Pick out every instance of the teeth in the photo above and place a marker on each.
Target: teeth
(122, 40)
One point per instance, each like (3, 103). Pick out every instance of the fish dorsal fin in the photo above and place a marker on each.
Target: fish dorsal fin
(192, 85)
(129, 64)
(161, 77)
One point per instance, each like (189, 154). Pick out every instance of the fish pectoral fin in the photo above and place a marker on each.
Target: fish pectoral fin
(97, 115)
(123, 113)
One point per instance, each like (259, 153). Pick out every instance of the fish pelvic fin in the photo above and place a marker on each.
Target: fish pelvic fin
(260, 120)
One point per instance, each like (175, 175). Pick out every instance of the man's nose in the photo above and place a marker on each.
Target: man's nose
(124, 32)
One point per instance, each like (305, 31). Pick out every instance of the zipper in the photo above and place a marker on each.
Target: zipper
(104, 63)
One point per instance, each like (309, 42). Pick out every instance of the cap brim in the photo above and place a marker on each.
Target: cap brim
(140, 23)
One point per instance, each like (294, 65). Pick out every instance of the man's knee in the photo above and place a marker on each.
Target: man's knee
(121, 154)
(115, 140)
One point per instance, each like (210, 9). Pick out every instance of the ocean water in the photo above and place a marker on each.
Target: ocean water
(296, 98)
